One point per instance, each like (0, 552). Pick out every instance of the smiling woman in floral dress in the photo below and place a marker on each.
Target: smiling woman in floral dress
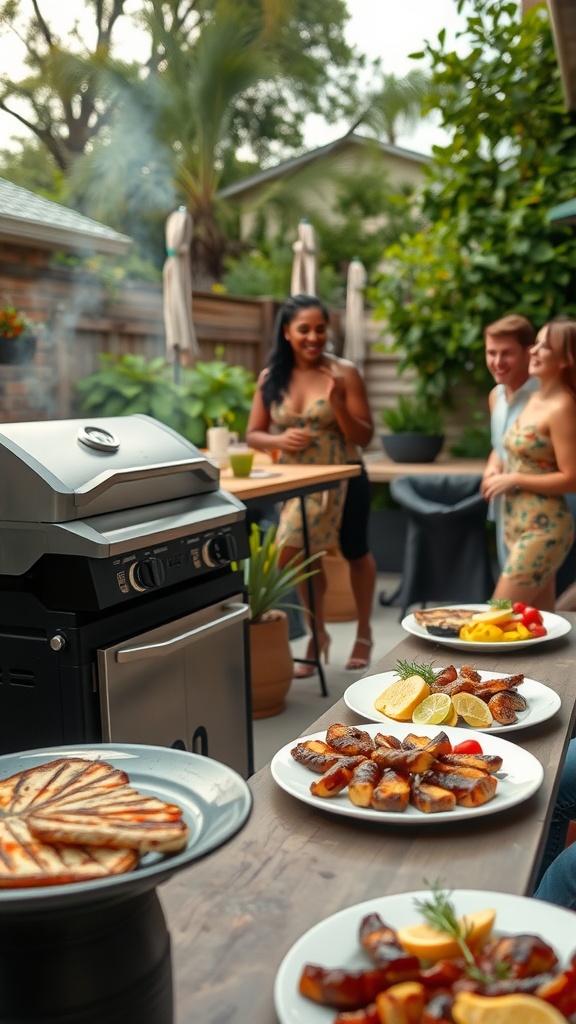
(541, 469)
(312, 406)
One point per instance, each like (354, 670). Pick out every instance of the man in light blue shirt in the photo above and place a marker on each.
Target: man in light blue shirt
(508, 343)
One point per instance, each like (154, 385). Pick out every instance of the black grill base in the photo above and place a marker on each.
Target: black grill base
(51, 697)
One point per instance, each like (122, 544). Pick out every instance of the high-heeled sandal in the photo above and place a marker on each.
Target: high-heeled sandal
(303, 670)
(356, 663)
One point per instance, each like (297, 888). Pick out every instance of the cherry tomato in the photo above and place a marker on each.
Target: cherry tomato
(467, 747)
(537, 629)
(518, 607)
(530, 615)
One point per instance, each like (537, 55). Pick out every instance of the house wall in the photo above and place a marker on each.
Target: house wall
(317, 190)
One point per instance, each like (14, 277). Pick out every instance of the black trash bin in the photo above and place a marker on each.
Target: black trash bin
(446, 557)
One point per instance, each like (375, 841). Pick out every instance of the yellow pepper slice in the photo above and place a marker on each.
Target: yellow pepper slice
(482, 632)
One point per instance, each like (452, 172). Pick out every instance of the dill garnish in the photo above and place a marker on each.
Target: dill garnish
(504, 603)
(404, 669)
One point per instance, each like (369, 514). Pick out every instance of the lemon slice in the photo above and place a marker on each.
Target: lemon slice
(400, 698)
(433, 709)
(425, 942)
(470, 1008)
(493, 616)
(451, 717)
(473, 710)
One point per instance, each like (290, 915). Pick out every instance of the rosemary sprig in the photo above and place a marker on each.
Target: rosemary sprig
(413, 668)
(440, 914)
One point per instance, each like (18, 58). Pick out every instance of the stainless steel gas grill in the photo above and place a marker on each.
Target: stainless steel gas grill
(121, 617)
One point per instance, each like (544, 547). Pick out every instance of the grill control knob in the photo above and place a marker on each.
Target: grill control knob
(147, 574)
(218, 550)
(57, 642)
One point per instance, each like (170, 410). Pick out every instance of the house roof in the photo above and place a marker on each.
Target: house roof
(29, 218)
(298, 162)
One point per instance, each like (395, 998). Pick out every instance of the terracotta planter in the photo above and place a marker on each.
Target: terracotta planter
(339, 603)
(15, 351)
(271, 665)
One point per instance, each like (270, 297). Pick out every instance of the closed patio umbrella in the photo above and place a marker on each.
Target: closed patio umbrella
(354, 347)
(177, 278)
(304, 264)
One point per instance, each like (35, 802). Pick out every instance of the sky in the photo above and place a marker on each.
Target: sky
(389, 29)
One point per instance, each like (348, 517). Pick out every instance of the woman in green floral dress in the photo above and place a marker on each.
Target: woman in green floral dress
(540, 470)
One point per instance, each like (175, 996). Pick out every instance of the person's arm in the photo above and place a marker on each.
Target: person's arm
(349, 401)
(259, 435)
(494, 462)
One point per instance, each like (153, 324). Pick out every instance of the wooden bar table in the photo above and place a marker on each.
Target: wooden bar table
(234, 915)
(382, 470)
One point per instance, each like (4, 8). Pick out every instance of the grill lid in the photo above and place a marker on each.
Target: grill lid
(62, 470)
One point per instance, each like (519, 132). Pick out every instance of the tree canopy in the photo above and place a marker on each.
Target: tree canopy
(489, 247)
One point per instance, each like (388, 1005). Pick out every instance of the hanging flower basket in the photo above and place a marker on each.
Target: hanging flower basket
(15, 351)
(17, 342)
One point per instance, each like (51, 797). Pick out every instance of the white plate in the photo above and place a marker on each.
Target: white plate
(523, 776)
(556, 626)
(542, 701)
(334, 941)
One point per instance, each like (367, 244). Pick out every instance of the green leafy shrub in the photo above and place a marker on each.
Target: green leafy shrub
(413, 416)
(205, 394)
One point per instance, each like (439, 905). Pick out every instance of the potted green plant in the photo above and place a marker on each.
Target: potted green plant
(415, 430)
(269, 586)
(17, 341)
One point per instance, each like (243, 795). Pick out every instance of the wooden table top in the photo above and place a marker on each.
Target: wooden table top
(382, 470)
(234, 915)
(283, 481)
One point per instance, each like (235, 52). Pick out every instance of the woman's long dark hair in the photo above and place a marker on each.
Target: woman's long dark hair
(281, 361)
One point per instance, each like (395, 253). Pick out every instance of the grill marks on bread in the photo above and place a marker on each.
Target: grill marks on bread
(74, 820)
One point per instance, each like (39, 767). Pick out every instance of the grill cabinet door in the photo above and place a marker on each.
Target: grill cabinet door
(183, 684)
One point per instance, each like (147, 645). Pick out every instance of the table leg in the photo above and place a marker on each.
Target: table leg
(317, 661)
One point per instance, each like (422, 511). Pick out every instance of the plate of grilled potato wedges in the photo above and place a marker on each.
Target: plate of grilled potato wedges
(405, 774)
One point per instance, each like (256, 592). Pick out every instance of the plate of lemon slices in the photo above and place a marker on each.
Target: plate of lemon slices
(411, 701)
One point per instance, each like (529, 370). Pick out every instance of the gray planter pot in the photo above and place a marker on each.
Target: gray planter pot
(412, 447)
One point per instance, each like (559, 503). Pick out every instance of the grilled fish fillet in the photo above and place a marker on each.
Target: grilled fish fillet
(443, 621)
(72, 820)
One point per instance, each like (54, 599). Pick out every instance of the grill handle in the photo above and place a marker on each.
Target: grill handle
(237, 611)
(109, 478)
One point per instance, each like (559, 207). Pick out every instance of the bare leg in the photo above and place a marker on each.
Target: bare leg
(363, 582)
(543, 597)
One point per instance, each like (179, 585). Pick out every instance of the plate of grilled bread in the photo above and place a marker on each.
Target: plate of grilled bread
(442, 626)
(405, 774)
(75, 819)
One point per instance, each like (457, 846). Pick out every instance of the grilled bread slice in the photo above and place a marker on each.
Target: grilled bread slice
(72, 820)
